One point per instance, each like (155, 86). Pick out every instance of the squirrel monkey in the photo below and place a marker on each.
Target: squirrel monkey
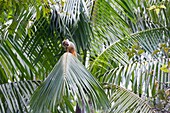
(70, 47)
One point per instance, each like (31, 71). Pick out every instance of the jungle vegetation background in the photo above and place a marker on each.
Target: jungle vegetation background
(124, 46)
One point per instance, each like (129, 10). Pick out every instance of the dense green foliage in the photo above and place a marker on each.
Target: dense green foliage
(124, 45)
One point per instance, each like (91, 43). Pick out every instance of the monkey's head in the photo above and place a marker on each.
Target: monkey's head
(69, 46)
(66, 43)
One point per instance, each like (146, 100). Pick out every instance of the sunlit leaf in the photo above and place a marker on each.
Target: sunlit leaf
(157, 10)
(162, 6)
(152, 7)
(140, 51)
(164, 68)
(155, 52)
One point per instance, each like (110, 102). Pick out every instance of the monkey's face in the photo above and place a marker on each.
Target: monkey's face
(66, 43)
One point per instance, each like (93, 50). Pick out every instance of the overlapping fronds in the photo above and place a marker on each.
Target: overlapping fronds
(30, 46)
(108, 25)
(14, 64)
(115, 19)
(15, 97)
(41, 47)
(148, 41)
(68, 11)
(17, 16)
(141, 77)
(71, 19)
(25, 41)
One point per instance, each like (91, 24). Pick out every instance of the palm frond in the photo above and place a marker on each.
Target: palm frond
(35, 50)
(141, 77)
(83, 33)
(139, 16)
(68, 12)
(114, 19)
(27, 43)
(14, 64)
(148, 40)
(14, 97)
(71, 20)
(41, 47)
(16, 16)
(70, 79)
(108, 25)
(124, 100)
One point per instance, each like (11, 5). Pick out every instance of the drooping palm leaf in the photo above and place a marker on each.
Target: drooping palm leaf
(15, 16)
(83, 33)
(124, 18)
(125, 101)
(70, 79)
(14, 97)
(14, 64)
(41, 47)
(26, 45)
(139, 16)
(68, 12)
(108, 25)
(121, 17)
(148, 40)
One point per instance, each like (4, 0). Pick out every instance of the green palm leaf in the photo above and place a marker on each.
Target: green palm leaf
(41, 47)
(27, 44)
(140, 77)
(71, 20)
(115, 19)
(14, 64)
(125, 101)
(69, 78)
(117, 52)
(14, 97)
